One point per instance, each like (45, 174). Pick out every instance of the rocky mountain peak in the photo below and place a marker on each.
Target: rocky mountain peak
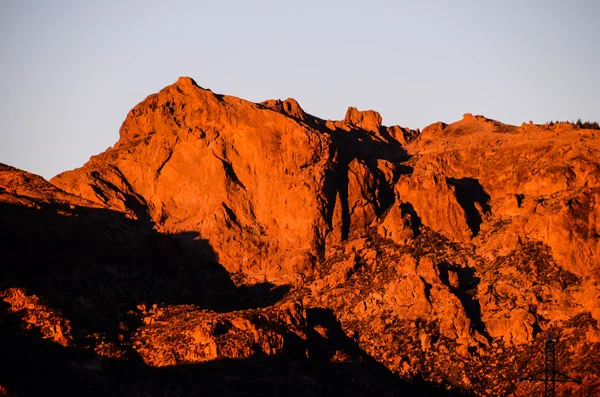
(185, 81)
(232, 247)
(289, 107)
(368, 120)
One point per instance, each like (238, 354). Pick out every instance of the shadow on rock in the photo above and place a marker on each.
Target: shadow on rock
(473, 199)
(96, 266)
(464, 286)
(334, 365)
(359, 144)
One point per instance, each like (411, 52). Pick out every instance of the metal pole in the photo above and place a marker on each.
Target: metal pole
(550, 372)
(552, 347)
(547, 368)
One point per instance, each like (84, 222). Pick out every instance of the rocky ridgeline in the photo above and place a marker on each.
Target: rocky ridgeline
(229, 247)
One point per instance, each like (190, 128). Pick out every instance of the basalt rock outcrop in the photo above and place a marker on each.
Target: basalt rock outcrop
(278, 253)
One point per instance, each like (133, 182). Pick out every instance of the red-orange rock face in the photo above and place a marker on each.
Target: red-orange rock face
(247, 178)
(219, 229)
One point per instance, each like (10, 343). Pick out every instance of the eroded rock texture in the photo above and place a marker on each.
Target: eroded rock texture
(236, 248)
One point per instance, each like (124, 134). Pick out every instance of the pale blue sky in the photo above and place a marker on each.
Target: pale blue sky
(71, 70)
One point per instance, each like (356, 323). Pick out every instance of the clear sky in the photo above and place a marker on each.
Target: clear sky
(71, 70)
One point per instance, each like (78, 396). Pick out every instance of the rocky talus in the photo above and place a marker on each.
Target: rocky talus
(233, 248)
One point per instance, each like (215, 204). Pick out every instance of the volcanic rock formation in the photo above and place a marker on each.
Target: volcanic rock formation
(236, 248)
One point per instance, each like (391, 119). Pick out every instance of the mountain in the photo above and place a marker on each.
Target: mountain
(236, 248)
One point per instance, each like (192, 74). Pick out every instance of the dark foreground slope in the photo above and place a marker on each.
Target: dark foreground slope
(230, 247)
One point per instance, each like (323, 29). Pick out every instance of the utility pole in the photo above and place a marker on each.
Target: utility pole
(550, 374)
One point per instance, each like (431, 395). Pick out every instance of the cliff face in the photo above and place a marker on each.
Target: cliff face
(219, 229)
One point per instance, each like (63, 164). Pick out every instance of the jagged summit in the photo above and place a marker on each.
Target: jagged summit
(290, 107)
(368, 120)
(264, 250)
(183, 81)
